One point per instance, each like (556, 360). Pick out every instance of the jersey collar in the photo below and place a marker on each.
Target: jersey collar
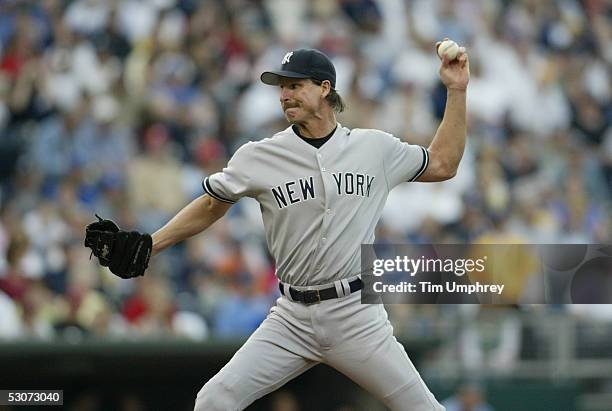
(300, 140)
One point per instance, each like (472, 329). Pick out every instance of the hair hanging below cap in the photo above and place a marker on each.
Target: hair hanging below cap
(333, 98)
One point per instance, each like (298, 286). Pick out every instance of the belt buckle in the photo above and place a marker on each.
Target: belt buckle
(312, 297)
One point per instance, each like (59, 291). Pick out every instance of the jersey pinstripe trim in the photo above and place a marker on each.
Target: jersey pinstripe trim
(424, 164)
(208, 190)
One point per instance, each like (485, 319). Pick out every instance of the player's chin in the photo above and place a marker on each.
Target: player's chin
(292, 115)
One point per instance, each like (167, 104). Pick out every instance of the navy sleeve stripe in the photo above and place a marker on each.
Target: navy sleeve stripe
(208, 190)
(424, 164)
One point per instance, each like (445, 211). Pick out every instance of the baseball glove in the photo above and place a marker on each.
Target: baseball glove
(125, 253)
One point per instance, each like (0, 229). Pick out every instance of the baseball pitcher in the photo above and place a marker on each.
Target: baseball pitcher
(321, 187)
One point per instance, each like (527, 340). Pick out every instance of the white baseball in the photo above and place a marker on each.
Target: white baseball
(450, 48)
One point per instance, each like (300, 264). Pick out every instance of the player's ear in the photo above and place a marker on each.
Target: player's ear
(325, 88)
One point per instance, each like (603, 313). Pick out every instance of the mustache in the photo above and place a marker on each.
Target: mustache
(285, 106)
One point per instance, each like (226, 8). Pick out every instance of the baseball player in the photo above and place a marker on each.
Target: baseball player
(321, 187)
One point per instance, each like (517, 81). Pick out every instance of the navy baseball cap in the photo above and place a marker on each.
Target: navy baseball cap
(303, 63)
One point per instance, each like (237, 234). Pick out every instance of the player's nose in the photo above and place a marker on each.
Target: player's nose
(285, 94)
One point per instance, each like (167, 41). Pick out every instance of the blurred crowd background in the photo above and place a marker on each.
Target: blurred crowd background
(122, 107)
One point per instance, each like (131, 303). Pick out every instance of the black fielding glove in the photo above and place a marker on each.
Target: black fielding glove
(125, 253)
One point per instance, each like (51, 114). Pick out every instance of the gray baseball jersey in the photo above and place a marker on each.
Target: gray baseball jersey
(318, 205)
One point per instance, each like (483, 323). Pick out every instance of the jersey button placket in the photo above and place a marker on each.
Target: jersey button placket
(328, 194)
(319, 157)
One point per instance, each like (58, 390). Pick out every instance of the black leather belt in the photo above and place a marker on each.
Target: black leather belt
(315, 296)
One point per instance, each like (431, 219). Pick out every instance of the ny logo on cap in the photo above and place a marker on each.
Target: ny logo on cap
(287, 57)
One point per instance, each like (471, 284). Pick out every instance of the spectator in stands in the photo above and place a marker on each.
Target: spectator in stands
(469, 397)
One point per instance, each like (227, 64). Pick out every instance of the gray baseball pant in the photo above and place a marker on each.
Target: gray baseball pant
(356, 339)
